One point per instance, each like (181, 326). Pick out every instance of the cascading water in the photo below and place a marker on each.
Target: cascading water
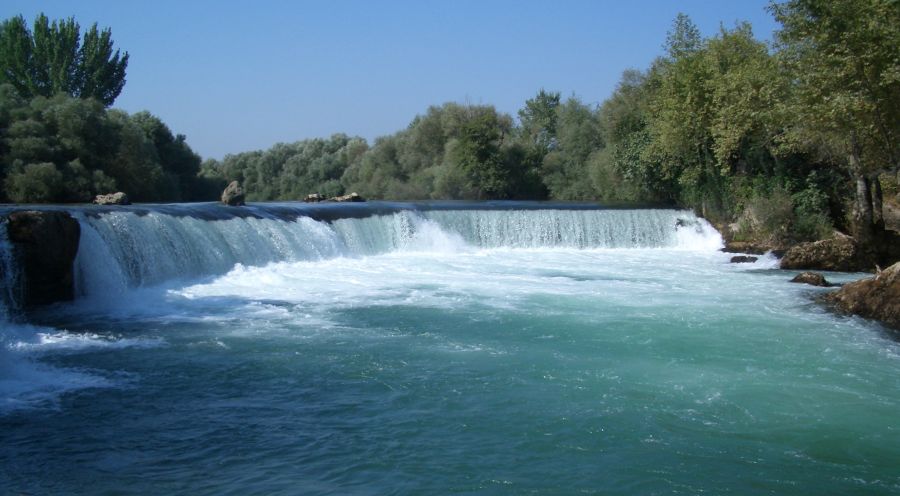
(437, 348)
(124, 249)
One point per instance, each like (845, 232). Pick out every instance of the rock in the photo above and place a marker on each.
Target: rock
(314, 198)
(46, 242)
(352, 197)
(840, 253)
(743, 259)
(812, 278)
(874, 298)
(233, 194)
(118, 198)
(745, 247)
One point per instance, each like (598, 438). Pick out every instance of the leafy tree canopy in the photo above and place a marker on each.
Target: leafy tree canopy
(53, 58)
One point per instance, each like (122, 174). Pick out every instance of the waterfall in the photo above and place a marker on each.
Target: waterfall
(127, 248)
(123, 250)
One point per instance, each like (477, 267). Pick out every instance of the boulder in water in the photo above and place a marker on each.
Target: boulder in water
(813, 278)
(233, 194)
(839, 253)
(745, 247)
(46, 243)
(314, 198)
(875, 298)
(743, 259)
(352, 197)
(118, 198)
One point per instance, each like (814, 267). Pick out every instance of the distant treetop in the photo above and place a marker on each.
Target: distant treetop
(54, 58)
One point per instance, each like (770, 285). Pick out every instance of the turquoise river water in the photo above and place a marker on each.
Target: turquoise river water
(437, 349)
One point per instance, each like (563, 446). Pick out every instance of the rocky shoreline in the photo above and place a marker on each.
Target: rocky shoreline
(875, 298)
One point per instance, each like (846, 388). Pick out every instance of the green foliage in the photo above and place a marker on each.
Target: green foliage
(539, 120)
(92, 151)
(771, 215)
(451, 152)
(845, 105)
(477, 154)
(34, 183)
(842, 55)
(54, 58)
(564, 168)
(777, 216)
(774, 138)
(286, 171)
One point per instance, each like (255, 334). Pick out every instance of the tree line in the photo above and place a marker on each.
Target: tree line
(58, 140)
(785, 142)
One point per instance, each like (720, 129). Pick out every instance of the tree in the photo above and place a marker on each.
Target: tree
(35, 183)
(539, 120)
(178, 161)
(680, 129)
(842, 55)
(564, 168)
(78, 149)
(477, 153)
(54, 58)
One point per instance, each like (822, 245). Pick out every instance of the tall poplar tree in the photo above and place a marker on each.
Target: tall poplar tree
(54, 58)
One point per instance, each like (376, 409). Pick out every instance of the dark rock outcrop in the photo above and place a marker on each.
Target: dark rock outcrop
(745, 247)
(352, 197)
(118, 198)
(233, 194)
(839, 253)
(314, 198)
(812, 278)
(743, 259)
(874, 298)
(46, 242)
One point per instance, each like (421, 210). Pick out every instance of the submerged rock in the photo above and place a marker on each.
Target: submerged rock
(46, 243)
(743, 259)
(352, 197)
(839, 253)
(118, 198)
(314, 198)
(233, 194)
(813, 278)
(874, 298)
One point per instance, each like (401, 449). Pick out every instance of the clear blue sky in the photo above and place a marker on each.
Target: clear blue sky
(236, 76)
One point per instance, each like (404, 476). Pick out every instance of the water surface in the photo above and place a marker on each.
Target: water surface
(435, 351)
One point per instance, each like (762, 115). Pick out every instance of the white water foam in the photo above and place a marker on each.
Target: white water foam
(122, 249)
(46, 341)
(25, 382)
(697, 234)
(158, 266)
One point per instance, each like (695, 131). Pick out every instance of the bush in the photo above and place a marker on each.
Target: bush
(773, 215)
(779, 217)
(812, 221)
(35, 183)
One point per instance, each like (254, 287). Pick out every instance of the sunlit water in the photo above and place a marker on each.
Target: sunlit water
(442, 352)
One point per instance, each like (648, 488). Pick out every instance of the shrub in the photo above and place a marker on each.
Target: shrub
(34, 183)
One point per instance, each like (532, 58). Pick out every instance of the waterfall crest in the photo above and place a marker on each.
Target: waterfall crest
(121, 249)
